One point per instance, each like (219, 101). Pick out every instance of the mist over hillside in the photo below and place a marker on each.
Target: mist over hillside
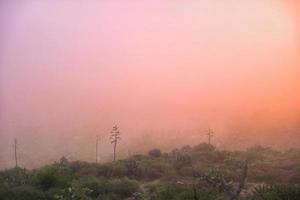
(163, 71)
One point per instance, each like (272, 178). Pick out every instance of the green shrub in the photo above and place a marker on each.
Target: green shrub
(151, 170)
(132, 168)
(108, 188)
(49, 177)
(95, 185)
(122, 187)
(14, 177)
(171, 191)
(70, 193)
(105, 170)
(276, 192)
(25, 192)
(119, 170)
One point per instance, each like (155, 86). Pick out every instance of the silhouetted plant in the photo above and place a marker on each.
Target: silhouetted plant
(154, 153)
(114, 138)
(204, 147)
(132, 167)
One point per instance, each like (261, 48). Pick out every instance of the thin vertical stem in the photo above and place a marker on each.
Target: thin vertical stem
(97, 144)
(16, 155)
(115, 146)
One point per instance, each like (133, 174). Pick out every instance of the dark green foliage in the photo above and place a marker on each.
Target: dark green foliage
(132, 168)
(70, 193)
(25, 192)
(49, 177)
(105, 170)
(276, 192)
(171, 191)
(119, 188)
(141, 167)
(79, 168)
(122, 187)
(151, 169)
(218, 181)
(14, 177)
(118, 169)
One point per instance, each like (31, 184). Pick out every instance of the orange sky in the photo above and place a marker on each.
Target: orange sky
(170, 69)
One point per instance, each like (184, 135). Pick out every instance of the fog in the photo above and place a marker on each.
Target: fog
(164, 72)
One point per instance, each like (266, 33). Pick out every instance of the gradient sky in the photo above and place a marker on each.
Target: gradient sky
(162, 70)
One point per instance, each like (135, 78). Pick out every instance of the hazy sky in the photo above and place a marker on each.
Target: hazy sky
(160, 69)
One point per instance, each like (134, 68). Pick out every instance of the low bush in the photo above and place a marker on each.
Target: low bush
(276, 192)
(15, 177)
(25, 192)
(108, 188)
(154, 153)
(168, 191)
(49, 177)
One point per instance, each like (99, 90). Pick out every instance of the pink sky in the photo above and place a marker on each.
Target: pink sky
(73, 69)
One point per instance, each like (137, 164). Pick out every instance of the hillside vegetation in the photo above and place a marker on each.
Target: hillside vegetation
(200, 172)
